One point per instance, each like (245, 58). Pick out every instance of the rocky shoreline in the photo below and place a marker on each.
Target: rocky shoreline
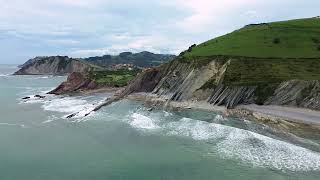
(284, 123)
(81, 83)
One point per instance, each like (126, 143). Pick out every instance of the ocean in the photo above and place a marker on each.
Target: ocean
(126, 141)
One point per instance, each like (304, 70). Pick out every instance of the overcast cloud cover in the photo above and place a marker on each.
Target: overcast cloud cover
(81, 28)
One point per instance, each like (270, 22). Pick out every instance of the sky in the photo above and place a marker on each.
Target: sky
(83, 28)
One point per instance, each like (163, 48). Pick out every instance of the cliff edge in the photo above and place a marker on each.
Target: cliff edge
(54, 65)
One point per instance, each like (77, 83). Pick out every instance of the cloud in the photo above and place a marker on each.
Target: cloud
(78, 3)
(66, 42)
(96, 27)
(206, 13)
(251, 14)
(156, 44)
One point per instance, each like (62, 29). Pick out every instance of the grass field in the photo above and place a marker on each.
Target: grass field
(287, 39)
(117, 78)
(242, 72)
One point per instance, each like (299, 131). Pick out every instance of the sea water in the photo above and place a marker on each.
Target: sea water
(126, 141)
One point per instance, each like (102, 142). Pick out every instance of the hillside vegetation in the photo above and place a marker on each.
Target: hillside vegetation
(261, 54)
(142, 59)
(286, 39)
(117, 78)
(266, 64)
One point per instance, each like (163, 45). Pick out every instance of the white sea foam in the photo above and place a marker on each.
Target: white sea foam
(35, 77)
(32, 100)
(66, 105)
(40, 77)
(249, 147)
(50, 119)
(219, 118)
(167, 114)
(142, 122)
(198, 130)
(9, 124)
(264, 151)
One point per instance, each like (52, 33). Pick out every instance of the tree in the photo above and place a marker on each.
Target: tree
(191, 47)
(276, 40)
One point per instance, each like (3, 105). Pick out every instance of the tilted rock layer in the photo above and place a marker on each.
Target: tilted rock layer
(217, 82)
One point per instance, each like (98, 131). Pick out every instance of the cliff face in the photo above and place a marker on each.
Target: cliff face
(76, 82)
(55, 65)
(97, 80)
(221, 81)
(300, 93)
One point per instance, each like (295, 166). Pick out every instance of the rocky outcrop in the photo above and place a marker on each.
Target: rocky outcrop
(77, 82)
(297, 93)
(144, 82)
(31, 61)
(232, 96)
(54, 65)
(217, 81)
(210, 81)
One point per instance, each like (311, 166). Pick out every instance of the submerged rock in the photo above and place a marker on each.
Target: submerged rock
(39, 96)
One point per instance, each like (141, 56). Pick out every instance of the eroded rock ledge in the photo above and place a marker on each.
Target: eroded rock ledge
(81, 83)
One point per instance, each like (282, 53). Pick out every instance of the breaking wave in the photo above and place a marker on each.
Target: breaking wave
(233, 143)
(142, 122)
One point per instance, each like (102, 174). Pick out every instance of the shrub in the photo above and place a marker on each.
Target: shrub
(182, 53)
(318, 47)
(315, 40)
(276, 40)
(191, 47)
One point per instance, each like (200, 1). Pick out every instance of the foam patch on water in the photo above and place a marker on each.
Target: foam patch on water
(9, 124)
(167, 114)
(4, 75)
(31, 100)
(267, 152)
(67, 105)
(219, 118)
(249, 147)
(50, 119)
(198, 130)
(36, 77)
(142, 122)
(82, 106)
(30, 92)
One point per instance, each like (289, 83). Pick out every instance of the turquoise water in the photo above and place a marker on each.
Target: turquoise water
(125, 141)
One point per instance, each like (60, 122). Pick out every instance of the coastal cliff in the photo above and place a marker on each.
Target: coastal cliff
(76, 82)
(270, 73)
(54, 65)
(216, 81)
(265, 64)
(106, 80)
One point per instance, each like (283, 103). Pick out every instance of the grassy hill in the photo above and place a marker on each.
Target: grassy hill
(117, 78)
(263, 55)
(286, 39)
(142, 59)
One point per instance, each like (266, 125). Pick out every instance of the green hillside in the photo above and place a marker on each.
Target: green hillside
(286, 39)
(117, 78)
